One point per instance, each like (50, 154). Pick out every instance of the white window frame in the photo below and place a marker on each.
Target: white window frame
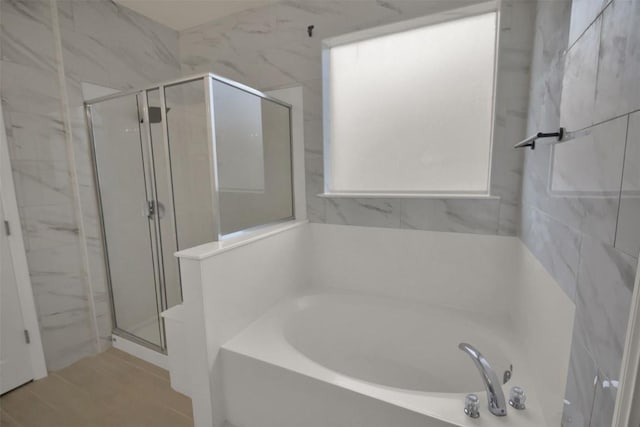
(437, 18)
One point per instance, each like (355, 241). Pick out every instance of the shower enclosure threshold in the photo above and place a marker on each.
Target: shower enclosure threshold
(141, 352)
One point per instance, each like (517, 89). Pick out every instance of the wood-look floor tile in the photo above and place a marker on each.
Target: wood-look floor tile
(70, 399)
(112, 389)
(114, 386)
(114, 352)
(30, 411)
(141, 381)
(7, 420)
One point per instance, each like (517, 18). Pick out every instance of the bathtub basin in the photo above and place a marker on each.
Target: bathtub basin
(395, 354)
(385, 342)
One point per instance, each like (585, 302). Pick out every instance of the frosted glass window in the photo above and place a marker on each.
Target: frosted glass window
(412, 111)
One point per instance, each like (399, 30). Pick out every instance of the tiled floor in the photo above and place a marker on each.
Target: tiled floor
(111, 389)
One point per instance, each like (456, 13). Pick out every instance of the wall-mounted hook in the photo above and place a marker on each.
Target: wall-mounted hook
(310, 30)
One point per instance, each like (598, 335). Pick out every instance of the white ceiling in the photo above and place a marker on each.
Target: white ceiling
(183, 14)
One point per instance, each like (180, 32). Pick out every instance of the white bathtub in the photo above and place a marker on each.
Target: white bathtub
(328, 360)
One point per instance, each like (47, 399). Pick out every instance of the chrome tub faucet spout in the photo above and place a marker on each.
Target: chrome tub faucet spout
(495, 396)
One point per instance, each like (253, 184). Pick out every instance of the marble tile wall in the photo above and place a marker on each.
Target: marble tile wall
(268, 47)
(578, 219)
(104, 44)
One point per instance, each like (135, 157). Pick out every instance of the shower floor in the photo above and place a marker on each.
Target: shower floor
(149, 330)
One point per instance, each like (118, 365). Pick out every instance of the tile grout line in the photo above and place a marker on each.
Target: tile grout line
(133, 365)
(73, 172)
(624, 159)
(116, 360)
(583, 32)
(45, 402)
(180, 413)
(8, 415)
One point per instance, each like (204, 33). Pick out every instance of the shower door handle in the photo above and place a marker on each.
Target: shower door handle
(152, 208)
(149, 209)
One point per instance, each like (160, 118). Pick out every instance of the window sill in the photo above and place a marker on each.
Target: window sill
(466, 196)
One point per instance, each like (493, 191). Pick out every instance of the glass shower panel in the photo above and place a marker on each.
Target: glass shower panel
(123, 186)
(190, 152)
(253, 141)
(164, 201)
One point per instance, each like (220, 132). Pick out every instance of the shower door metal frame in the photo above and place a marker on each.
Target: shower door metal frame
(155, 238)
(158, 259)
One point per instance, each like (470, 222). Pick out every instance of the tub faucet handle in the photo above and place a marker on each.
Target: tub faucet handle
(472, 405)
(517, 397)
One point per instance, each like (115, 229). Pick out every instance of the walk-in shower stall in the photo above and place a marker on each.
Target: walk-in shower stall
(177, 165)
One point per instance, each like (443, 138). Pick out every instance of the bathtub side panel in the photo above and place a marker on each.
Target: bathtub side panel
(199, 357)
(258, 394)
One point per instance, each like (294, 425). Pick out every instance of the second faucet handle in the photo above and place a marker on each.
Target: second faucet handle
(517, 397)
(472, 405)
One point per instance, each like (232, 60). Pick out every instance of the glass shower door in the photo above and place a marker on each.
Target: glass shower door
(125, 186)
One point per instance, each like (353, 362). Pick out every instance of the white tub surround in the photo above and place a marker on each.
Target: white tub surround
(376, 344)
(177, 349)
(225, 287)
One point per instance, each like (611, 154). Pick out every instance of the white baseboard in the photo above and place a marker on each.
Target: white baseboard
(141, 352)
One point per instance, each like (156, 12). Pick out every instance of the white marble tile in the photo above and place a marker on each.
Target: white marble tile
(577, 182)
(26, 35)
(284, 26)
(628, 233)
(544, 99)
(580, 389)
(604, 401)
(583, 13)
(49, 226)
(509, 218)
(586, 173)
(605, 285)
(556, 246)
(61, 298)
(590, 165)
(579, 82)
(40, 183)
(507, 163)
(514, 17)
(133, 49)
(547, 65)
(363, 212)
(58, 298)
(37, 137)
(28, 89)
(315, 205)
(464, 216)
(617, 91)
(628, 230)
